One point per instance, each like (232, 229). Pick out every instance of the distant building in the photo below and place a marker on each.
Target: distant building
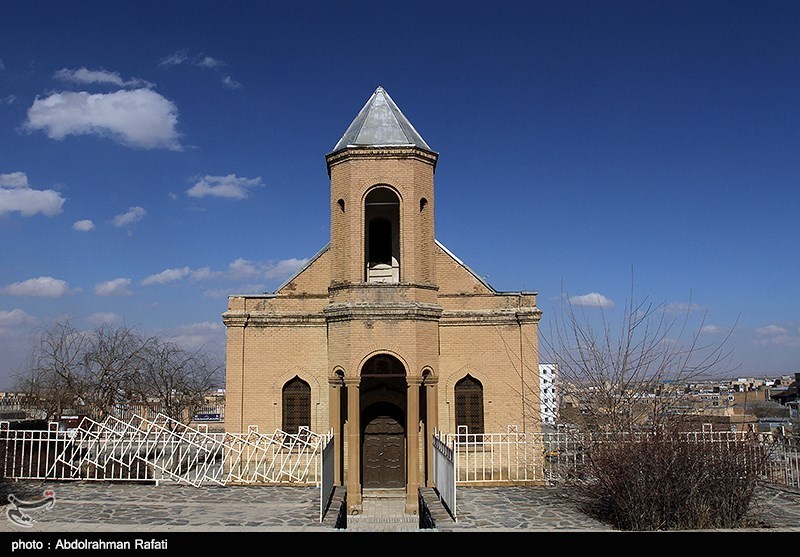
(548, 393)
(794, 410)
(789, 394)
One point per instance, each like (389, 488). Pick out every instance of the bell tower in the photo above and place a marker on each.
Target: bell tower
(381, 172)
(383, 313)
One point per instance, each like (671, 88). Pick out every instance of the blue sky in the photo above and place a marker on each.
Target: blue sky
(156, 156)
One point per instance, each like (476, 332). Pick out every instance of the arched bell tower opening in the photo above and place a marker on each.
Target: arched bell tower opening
(383, 423)
(382, 236)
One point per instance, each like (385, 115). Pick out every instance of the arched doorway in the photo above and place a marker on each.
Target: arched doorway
(383, 418)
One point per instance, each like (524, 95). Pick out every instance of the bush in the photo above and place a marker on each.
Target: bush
(663, 481)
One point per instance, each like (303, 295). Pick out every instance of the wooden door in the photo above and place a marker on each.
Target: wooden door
(384, 453)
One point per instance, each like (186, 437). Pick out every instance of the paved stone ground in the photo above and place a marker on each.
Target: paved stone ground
(548, 509)
(519, 508)
(116, 507)
(776, 509)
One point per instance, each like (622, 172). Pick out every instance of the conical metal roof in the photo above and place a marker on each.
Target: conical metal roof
(380, 123)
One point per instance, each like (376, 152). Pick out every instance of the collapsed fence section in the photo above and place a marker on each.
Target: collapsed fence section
(161, 449)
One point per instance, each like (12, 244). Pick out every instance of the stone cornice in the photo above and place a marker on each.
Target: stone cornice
(382, 311)
(490, 317)
(387, 152)
(377, 286)
(273, 320)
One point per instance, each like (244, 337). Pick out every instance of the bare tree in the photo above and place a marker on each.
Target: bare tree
(614, 376)
(53, 379)
(641, 469)
(174, 380)
(115, 356)
(100, 371)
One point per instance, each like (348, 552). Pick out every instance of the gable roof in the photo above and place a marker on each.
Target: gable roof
(466, 268)
(303, 268)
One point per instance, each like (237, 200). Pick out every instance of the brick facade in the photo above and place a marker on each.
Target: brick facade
(436, 319)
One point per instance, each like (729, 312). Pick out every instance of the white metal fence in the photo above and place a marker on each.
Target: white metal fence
(161, 449)
(465, 458)
(513, 457)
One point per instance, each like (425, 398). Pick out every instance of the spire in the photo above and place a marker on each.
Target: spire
(380, 123)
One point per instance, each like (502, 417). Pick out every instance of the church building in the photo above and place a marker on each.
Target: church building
(385, 336)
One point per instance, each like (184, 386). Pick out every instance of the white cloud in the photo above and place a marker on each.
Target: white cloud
(183, 57)
(43, 287)
(593, 299)
(771, 330)
(712, 329)
(284, 268)
(83, 225)
(180, 57)
(779, 340)
(199, 335)
(102, 317)
(8, 100)
(776, 335)
(29, 201)
(244, 289)
(14, 180)
(207, 62)
(230, 186)
(15, 318)
(167, 275)
(83, 75)
(215, 294)
(682, 307)
(240, 269)
(138, 118)
(114, 287)
(252, 288)
(134, 214)
(176, 58)
(231, 83)
(202, 274)
(17, 195)
(14, 322)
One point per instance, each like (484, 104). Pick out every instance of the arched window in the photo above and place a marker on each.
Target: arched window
(469, 404)
(296, 405)
(382, 229)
